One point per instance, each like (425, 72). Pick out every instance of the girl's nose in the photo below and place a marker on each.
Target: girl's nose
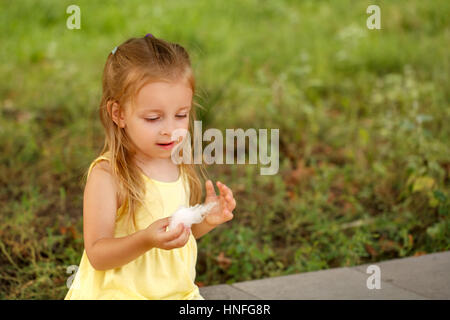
(168, 128)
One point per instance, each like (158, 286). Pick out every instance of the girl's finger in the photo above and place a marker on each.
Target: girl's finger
(228, 189)
(223, 199)
(180, 240)
(227, 195)
(210, 189)
(228, 214)
(163, 223)
(221, 185)
(231, 202)
(220, 192)
(224, 190)
(173, 234)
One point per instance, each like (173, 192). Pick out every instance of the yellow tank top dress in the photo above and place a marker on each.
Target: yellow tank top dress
(155, 275)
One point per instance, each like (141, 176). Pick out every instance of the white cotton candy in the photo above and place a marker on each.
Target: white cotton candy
(191, 215)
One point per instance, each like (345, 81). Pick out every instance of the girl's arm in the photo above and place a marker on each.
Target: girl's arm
(110, 253)
(201, 229)
(99, 213)
(104, 251)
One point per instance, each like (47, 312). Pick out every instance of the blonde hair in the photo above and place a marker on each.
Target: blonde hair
(135, 63)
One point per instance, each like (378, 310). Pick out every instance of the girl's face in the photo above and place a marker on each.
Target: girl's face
(160, 109)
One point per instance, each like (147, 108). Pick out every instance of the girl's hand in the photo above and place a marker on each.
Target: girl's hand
(222, 212)
(157, 237)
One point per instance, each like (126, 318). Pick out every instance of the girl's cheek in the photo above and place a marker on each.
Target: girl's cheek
(185, 124)
(150, 131)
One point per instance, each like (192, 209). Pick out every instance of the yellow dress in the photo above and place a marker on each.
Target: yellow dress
(157, 274)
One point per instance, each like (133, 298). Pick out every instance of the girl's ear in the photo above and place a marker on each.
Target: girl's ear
(116, 113)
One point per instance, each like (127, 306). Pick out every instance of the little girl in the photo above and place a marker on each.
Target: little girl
(133, 187)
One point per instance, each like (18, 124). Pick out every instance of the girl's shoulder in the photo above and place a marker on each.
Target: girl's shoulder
(100, 168)
(101, 162)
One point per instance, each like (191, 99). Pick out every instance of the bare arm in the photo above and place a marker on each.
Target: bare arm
(112, 253)
(201, 229)
(99, 211)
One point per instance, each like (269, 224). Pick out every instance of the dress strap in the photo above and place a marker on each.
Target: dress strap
(97, 160)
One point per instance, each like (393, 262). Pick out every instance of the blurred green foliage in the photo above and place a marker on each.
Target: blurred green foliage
(363, 118)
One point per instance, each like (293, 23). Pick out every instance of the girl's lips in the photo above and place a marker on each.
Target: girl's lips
(166, 146)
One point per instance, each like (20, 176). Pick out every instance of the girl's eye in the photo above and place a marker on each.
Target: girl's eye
(154, 119)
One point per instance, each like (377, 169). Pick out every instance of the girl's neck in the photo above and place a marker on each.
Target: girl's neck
(161, 169)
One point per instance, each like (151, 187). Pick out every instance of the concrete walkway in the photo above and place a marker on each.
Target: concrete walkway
(422, 277)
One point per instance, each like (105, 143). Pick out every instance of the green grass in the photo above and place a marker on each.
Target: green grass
(363, 118)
